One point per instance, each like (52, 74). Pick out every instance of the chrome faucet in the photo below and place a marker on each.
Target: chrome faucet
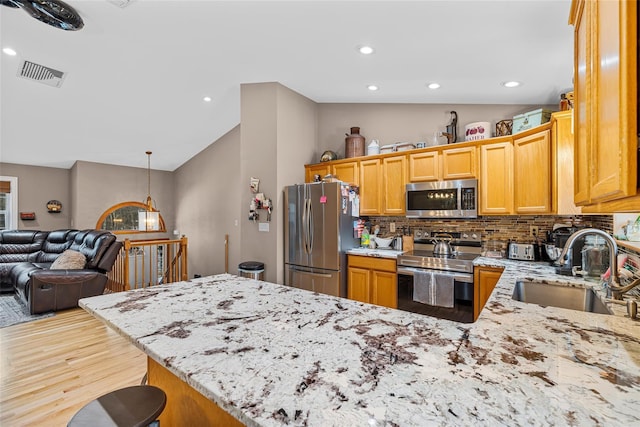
(613, 283)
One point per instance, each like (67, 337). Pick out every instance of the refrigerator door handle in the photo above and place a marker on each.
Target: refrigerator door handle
(308, 273)
(304, 227)
(310, 226)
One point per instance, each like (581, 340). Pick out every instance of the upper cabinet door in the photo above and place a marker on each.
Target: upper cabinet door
(321, 169)
(347, 172)
(424, 166)
(496, 179)
(562, 143)
(394, 176)
(606, 102)
(532, 170)
(582, 70)
(459, 163)
(615, 94)
(370, 187)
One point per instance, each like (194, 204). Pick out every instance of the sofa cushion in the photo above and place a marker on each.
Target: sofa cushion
(93, 244)
(69, 260)
(17, 246)
(56, 242)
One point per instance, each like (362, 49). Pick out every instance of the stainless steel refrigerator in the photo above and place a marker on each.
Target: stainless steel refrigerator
(318, 232)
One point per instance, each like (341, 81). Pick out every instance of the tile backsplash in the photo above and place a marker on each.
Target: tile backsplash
(500, 228)
(514, 228)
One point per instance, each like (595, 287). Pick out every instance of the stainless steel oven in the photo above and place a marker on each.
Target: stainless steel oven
(442, 199)
(455, 268)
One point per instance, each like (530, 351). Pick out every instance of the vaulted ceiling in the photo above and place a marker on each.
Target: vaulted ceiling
(135, 76)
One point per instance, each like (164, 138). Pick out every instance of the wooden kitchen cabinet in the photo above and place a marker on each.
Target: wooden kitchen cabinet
(459, 163)
(484, 282)
(394, 179)
(370, 186)
(562, 144)
(372, 280)
(496, 178)
(424, 166)
(532, 172)
(382, 185)
(348, 172)
(441, 164)
(359, 284)
(605, 103)
(321, 169)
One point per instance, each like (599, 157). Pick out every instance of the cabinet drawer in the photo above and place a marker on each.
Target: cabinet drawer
(372, 263)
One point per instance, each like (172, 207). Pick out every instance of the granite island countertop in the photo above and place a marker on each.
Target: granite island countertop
(272, 355)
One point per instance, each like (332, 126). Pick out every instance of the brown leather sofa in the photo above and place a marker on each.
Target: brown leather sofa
(26, 255)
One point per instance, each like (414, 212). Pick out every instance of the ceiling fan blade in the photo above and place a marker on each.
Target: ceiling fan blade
(9, 3)
(53, 12)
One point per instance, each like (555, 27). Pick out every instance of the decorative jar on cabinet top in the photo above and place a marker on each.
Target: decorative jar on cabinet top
(354, 144)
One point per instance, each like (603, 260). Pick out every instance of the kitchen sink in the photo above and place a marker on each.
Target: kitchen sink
(545, 294)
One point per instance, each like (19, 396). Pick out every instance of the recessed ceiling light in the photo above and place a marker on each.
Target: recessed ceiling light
(372, 87)
(511, 84)
(433, 85)
(365, 50)
(9, 51)
(207, 99)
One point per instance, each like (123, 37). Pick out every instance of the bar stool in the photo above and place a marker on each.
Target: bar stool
(136, 406)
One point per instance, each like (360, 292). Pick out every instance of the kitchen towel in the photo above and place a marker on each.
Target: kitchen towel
(422, 281)
(433, 289)
(443, 290)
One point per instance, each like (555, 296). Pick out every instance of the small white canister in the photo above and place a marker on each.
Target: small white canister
(477, 130)
(373, 148)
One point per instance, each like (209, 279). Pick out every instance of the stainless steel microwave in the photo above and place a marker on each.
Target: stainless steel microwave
(443, 199)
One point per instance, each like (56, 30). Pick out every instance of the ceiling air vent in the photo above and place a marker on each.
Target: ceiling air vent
(40, 73)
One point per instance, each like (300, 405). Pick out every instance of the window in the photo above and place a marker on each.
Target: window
(5, 204)
(8, 202)
(129, 218)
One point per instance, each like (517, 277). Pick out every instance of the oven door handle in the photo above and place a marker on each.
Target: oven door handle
(460, 277)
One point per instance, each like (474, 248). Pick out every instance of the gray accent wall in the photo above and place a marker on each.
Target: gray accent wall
(36, 186)
(98, 186)
(208, 189)
(278, 136)
(391, 123)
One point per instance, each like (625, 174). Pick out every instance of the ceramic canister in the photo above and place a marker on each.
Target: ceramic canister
(354, 144)
(373, 148)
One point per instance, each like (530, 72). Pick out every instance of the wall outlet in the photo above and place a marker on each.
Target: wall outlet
(533, 231)
(392, 227)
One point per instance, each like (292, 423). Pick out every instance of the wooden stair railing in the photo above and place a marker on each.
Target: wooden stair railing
(144, 263)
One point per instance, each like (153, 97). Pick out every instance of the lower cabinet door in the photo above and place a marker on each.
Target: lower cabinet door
(484, 281)
(384, 289)
(359, 285)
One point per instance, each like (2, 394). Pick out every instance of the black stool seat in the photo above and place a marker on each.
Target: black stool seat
(135, 406)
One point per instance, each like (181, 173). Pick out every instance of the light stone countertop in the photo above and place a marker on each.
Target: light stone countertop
(272, 355)
(377, 253)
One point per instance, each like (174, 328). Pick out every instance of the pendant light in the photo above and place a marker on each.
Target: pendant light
(149, 219)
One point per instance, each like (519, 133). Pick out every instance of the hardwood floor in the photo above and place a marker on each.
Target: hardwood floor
(52, 367)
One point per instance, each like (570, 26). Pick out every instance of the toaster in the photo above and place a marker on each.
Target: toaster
(522, 251)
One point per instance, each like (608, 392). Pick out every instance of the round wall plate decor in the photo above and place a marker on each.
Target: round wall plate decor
(54, 206)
